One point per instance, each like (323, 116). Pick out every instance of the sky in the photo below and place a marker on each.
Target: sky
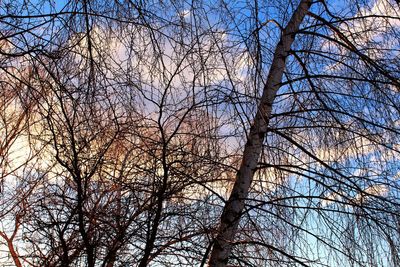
(185, 14)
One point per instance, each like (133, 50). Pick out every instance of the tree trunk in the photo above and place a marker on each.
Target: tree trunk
(11, 248)
(14, 254)
(234, 206)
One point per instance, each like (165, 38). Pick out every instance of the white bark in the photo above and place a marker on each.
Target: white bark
(234, 206)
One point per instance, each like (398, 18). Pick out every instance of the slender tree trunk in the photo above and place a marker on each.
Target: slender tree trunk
(11, 248)
(14, 254)
(234, 206)
(157, 218)
(81, 224)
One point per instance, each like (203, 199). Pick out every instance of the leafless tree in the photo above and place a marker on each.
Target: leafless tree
(257, 133)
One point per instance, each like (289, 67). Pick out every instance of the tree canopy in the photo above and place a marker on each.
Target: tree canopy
(199, 133)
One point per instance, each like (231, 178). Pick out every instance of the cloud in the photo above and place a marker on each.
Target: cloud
(185, 14)
(370, 30)
(373, 190)
(380, 18)
(330, 198)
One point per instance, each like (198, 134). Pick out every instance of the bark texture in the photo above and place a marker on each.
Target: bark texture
(234, 206)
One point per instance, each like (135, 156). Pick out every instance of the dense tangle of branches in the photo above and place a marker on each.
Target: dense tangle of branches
(124, 125)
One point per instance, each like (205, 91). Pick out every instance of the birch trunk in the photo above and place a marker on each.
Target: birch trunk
(234, 206)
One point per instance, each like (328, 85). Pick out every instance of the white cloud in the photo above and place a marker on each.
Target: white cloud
(184, 14)
(330, 198)
(373, 190)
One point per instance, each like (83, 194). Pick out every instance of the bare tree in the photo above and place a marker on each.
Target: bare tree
(258, 133)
